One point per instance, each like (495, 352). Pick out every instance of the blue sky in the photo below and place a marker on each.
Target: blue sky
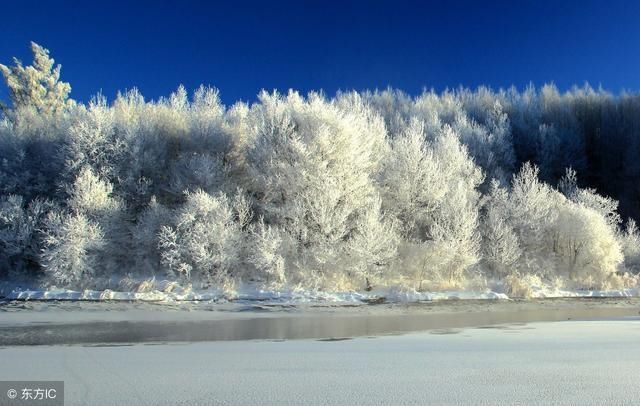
(242, 47)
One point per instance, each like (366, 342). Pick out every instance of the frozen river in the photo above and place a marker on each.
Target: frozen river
(47, 323)
(459, 355)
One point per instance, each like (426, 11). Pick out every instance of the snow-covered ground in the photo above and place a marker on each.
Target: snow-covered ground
(570, 362)
(169, 291)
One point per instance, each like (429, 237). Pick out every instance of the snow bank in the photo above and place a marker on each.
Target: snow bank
(541, 292)
(168, 291)
(247, 294)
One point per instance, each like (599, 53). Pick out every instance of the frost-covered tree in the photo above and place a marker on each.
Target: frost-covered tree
(631, 246)
(206, 238)
(72, 244)
(311, 168)
(268, 251)
(30, 163)
(412, 181)
(92, 142)
(145, 238)
(21, 235)
(605, 206)
(532, 210)
(37, 86)
(33, 130)
(587, 246)
(199, 172)
(373, 247)
(430, 188)
(93, 197)
(556, 237)
(455, 224)
(489, 143)
(501, 249)
(355, 191)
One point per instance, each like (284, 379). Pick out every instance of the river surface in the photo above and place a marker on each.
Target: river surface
(64, 323)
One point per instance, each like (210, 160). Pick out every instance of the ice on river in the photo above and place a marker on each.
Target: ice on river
(570, 362)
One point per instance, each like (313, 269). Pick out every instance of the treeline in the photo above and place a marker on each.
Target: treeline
(438, 191)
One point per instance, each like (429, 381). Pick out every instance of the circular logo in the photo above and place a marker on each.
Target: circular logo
(12, 394)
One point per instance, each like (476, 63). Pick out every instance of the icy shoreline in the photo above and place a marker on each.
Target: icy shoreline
(49, 322)
(289, 296)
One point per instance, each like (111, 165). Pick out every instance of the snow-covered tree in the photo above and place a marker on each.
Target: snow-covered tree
(489, 143)
(92, 197)
(349, 192)
(37, 86)
(268, 253)
(311, 168)
(20, 235)
(147, 253)
(501, 249)
(587, 246)
(30, 162)
(206, 238)
(557, 237)
(430, 188)
(72, 244)
(532, 210)
(92, 142)
(373, 247)
(631, 246)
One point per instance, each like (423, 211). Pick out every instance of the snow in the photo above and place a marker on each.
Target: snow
(245, 292)
(576, 362)
(545, 292)
(167, 291)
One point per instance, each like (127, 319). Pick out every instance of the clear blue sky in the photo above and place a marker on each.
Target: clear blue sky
(243, 46)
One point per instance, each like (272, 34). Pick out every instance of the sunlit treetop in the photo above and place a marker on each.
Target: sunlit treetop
(38, 85)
